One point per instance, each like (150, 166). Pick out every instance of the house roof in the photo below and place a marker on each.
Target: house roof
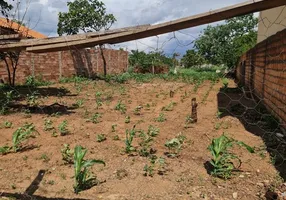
(24, 31)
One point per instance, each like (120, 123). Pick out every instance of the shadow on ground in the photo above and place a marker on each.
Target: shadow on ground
(29, 192)
(257, 120)
(13, 98)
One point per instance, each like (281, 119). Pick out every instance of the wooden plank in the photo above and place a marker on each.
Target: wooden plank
(35, 42)
(139, 33)
(10, 36)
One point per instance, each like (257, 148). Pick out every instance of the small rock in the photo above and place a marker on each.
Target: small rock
(235, 195)
(258, 171)
(241, 176)
(279, 135)
(260, 184)
(266, 182)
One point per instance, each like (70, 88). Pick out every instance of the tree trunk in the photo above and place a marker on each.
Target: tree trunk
(104, 60)
(8, 71)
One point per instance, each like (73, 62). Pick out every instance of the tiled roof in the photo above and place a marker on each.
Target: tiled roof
(25, 32)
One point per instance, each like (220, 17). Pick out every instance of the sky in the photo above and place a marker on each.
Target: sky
(42, 16)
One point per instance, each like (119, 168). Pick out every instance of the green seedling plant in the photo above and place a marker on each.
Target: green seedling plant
(127, 120)
(189, 120)
(161, 118)
(225, 83)
(121, 107)
(63, 128)
(145, 144)
(83, 178)
(98, 100)
(137, 110)
(153, 131)
(33, 99)
(21, 134)
(175, 146)
(149, 170)
(79, 103)
(7, 124)
(129, 139)
(169, 107)
(95, 118)
(100, 137)
(67, 154)
(48, 125)
(223, 161)
(113, 127)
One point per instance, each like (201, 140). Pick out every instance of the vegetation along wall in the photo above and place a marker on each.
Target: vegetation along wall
(263, 71)
(54, 65)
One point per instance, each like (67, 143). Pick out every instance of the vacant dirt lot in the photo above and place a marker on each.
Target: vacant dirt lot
(184, 177)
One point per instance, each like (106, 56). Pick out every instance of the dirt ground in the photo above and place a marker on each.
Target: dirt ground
(123, 177)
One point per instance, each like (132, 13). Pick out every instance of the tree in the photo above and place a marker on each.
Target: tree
(5, 8)
(145, 61)
(192, 58)
(224, 44)
(85, 16)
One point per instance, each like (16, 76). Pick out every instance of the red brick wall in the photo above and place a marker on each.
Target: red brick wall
(265, 73)
(54, 65)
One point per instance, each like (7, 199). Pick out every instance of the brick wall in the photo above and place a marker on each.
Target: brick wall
(54, 65)
(263, 71)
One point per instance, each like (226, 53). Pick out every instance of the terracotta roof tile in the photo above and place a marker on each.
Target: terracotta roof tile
(24, 31)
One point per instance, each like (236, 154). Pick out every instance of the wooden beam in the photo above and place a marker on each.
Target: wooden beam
(10, 36)
(139, 33)
(83, 36)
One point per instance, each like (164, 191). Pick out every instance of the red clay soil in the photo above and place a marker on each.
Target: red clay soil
(186, 176)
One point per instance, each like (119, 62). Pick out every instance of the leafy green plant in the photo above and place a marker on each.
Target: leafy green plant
(63, 128)
(48, 125)
(129, 139)
(79, 103)
(67, 154)
(98, 100)
(153, 131)
(116, 138)
(189, 120)
(113, 126)
(5, 101)
(21, 134)
(137, 110)
(100, 137)
(225, 83)
(45, 158)
(121, 107)
(149, 170)
(5, 150)
(127, 119)
(6, 124)
(161, 118)
(223, 160)
(83, 178)
(175, 145)
(169, 107)
(95, 118)
(33, 98)
(145, 144)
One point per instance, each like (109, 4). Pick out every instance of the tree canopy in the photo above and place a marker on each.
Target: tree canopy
(225, 43)
(145, 61)
(5, 7)
(192, 58)
(86, 16)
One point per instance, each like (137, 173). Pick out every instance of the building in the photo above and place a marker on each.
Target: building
(270, 22)
(12, 30)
